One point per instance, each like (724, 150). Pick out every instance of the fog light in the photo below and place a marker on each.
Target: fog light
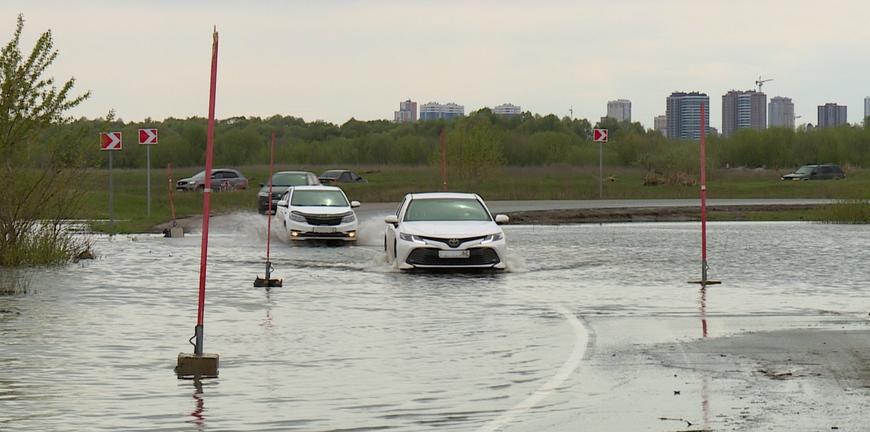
(351, 234)
(294, 233)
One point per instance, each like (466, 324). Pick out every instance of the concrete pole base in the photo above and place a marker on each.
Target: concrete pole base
(174, 232)
(197, 366)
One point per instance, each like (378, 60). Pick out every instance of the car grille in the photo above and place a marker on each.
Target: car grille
(330, 220)
(321, 235)
(453, 242)
(429, 257)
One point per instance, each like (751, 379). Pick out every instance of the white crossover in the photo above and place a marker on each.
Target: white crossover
(318, 213)
(445, 230)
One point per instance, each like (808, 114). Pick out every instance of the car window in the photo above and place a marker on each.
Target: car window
(230, 175)
(446, 209)
(289, 179)
(345, 177)
(319, 198)
(806, 169)
(331, 174)
(401, 204)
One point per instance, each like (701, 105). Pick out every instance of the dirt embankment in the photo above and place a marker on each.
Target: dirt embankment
(646, 214)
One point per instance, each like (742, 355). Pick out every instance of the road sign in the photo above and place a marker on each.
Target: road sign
(599, 135)
(110, 141)
(148, 136)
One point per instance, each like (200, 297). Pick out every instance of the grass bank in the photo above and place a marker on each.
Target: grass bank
(390, 183)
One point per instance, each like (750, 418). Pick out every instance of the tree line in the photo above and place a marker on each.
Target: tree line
(481, 139)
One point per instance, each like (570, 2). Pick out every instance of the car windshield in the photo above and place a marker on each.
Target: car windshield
(806, 169)
(319, 198)
(331, 174)
(446, 209)
(199, 175)
(289, 179)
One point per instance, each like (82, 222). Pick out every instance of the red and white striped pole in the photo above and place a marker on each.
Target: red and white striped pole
(206, 197)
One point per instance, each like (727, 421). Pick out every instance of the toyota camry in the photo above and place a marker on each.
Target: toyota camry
(445, 230)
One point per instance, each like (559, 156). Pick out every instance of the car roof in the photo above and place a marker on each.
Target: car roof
(335, 170)
(443, 195)
(293, 172)
(317, 187)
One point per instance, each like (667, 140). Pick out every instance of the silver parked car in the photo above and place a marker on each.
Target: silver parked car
(221, 179)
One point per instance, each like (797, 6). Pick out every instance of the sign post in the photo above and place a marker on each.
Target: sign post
(110, 142)
(148, 137)
(600, 136)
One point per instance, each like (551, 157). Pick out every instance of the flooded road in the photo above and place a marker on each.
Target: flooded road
(592, 327)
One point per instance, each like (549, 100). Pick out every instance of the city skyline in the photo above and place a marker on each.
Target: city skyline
(151, 59)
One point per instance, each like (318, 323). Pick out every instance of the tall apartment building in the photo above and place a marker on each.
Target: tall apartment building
(780, 112)
(619, 109)
(507, 110)
(407, 112)
(866, 108)
(436, 111)
(831, 115)
(684, 115)
(660, 123)
(743, 110)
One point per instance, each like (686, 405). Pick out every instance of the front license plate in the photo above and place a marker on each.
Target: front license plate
(323, 229)
(453, 254)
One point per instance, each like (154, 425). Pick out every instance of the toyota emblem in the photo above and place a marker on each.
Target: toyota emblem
(454, 243)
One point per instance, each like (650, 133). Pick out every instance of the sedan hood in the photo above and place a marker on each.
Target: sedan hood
(453, 229)
(321, 210)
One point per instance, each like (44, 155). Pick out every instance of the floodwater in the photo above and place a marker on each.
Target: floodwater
(349, 344)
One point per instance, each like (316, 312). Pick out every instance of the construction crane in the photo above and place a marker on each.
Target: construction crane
(760, 82)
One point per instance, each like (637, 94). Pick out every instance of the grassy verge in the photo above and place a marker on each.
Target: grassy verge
(390, 183)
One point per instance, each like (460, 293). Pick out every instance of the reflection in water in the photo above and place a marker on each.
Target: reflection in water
(705, 384)
(197, 414)
(13, 282)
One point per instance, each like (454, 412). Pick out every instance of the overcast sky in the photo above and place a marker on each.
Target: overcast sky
(332, 60)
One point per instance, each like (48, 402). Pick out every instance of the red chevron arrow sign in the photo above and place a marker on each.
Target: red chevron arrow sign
(110, 141)
(147, 136)
(599, 135)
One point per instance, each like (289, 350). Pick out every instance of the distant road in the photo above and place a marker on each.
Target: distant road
(522, 206)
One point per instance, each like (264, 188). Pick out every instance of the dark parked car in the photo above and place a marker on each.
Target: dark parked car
(221, 179)
(341, 176)
(816, 172)
(281, 182)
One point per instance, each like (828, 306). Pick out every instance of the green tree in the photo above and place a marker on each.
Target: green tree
(38, 173)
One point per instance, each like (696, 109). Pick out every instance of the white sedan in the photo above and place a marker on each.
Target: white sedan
(318, 213)
(445, 230)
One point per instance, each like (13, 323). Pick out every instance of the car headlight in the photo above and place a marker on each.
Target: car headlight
(191, 182)
(411, 238)
(262, 194)
(296, 216)
(492, 238)
(348, 218)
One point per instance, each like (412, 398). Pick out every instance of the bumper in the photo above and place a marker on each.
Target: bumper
(410, 256)
(263, 203)
(304, 231)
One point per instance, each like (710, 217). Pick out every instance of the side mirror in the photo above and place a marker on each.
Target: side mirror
(354, 204)
(281, 203)
(262, 185)
(502, 219)
(392, 220)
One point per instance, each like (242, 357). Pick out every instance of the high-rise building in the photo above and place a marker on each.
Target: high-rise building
(660, 123)
(436, 111)
(407, 112)
(866, 108)
(507, 110)
(684, 115)
(743, 110)
(780, 112)
(619, 109)
(831, 115)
